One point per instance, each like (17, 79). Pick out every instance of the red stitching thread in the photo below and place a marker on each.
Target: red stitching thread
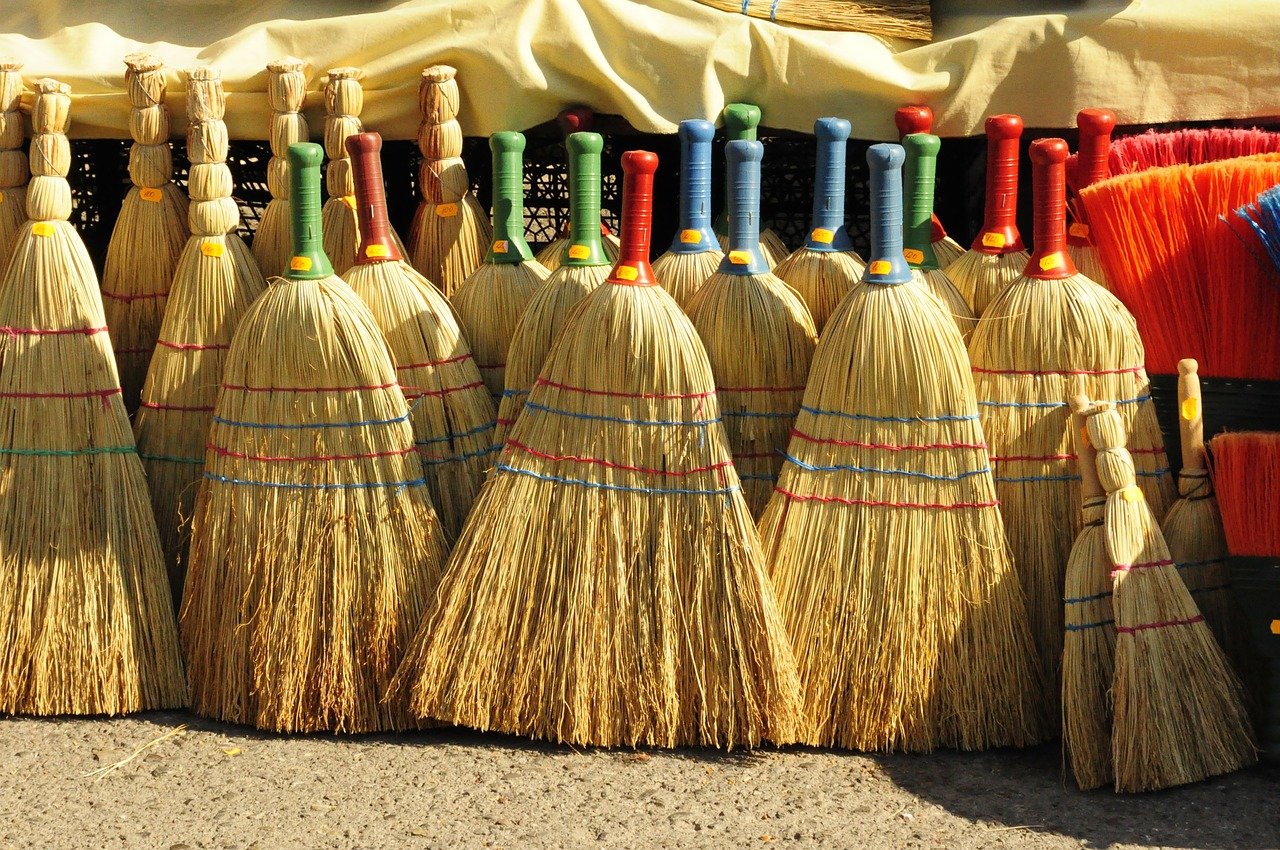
(1021, 458)
(444, 362)
(191, 346)
(5, 329)
(1145, 565)
(249, 389)
(760, 389)
(153, 406)
(610, 465)
(877, 504)
(1128, 630)
(87, 394)
(444, 392)
(660, 396)
(1122, 371)
(131, 298)
(886, 446)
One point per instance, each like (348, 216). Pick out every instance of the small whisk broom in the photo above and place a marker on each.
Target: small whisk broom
(14, 172)
(884, 536)
(576, 120)
(918, 184)
(608, 588)
(343, 103)
(826, 266)
(740, 123)
(1085, 168)
(919, 119)
(286, 90)
(88, 627)
(315, 549)
(695, 252)
(451, 411)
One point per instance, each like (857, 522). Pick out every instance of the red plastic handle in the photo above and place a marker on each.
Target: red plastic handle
(1092, 163)
(575, 119)
(999, 223)
(1049, 185)
(913, 119)
(376, 242)
(633, 269)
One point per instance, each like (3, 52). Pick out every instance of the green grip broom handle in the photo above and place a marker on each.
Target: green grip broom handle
(585, 247)
(918, 180)
(509, 246)
(308, 261)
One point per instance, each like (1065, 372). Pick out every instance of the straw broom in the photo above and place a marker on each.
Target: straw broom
(13, 159)
(343, 102)
(315, 549)
(1089, 642)
(1087, 167)
(1193, 527)
(609, 587)
(884, 538)
(695, 252)
(452, 414)
(996, 257)
(450, 231)
(585, 266)
(286, 90)
(1050, 334)
(919, 119)
(1179, 712)
(215, 282)
(894, 19)
(740, 123)
(826, 267)
(917, 184)
(491, 301)
(575, 120)
(759, 337)
(88, 628)
(149, 233)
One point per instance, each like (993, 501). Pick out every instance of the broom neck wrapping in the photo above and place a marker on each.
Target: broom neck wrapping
(585, 247)
(887, 266)
(1093, 163)
(632, 268)
(828, 232)
(999, 223)
(918, 183)
(695, 235)
(1050, 261)
(508, 246)
(309, 261)
(744, 256)
(376, 243)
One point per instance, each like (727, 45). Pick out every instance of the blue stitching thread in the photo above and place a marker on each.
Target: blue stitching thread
(949, 418)
(1082, 626)
(447, 437)
(530, 405)
(513, 393)
(436, 461)
(172, 458)
(757, 476)
(417, 482)
(273, 425)
(1076, 600)
(1193, 564)
(773, 10)
(1055, 404)
(727, 413)
(1155, 473)
(505, 468)
(745, 4)
(840, 467)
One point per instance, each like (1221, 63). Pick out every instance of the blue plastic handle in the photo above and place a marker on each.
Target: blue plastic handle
(744, 255)
(828, 232)
(695, 235)
(887, 265)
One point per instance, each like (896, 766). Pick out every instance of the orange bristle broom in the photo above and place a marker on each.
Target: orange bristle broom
(1085, 168)
(917, 186)
(996, 257)
(695, 252)
(919, 119)
(13, 159)
(740, 123)
(1246, 475)
(1195, 146)
(576, 120)
(826, 266)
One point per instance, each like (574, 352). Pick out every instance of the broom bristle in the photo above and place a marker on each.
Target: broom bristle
(1178, 709)
(947, 249)
(682, 275)
(449, 248)
(286, 91)
(820, 278)
(13, 159)
(489, 304)
(955, 305)
(1191, 146)
(980, 278)
(89, 626)
(906, 19)
(1246, 469)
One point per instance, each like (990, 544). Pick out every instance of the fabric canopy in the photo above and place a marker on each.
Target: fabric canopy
(659, 61)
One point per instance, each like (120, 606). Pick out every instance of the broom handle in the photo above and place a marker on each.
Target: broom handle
(888, 266)
(695, 235)
(632, 268)
(1087, 461)
(828, 232)
(1190, 417)
(376, 243)
(999, 222)
(744, 256)
(308, 261)
(508, 246)
(918, 182)
(1092, 164)
(575, 119)
(740, 123)
(1049, 187)
(585, 247)
(913, 119)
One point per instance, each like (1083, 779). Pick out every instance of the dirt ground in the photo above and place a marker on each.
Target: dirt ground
(193, 784)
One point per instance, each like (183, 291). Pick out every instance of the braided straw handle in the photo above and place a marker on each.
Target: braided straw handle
(343, 103)
(1194, 478)
(442, 177)
(13, 159)
(286, 90)
(212, 212)
(150, 161)
(49, 193)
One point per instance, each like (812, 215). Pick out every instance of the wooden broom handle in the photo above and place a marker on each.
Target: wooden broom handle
(1049, 187)
(1087, 460)
(1190, 416)
(633, 269)
(999, 222)
(913, 119)
(376, 242)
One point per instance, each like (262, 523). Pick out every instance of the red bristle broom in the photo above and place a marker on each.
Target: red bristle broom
(996, 257)
(575, 120)
(1193, 146)
(1085, 168)
(919, 119)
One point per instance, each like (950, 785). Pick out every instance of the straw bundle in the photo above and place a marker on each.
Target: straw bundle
(343, 102)
(884, 537)
(149, 233)
(216, 281)
(13, 160)
(315, 549)
(740, 123)
(888, 18)
(918, 183)
(490, 302)
(1085, 168)
(1089, 643)
(1179, 713)
(1052, 333)
(452, 414)
(87, 624)
(575, 120)
(759, 338)
(996, 257)
(586, 265)
(450, 229)
(695, 253)
(919, 119)
(609, 587)
(286, 90)
(826, 267)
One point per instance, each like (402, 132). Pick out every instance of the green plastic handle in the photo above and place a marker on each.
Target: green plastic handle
(585, 247)
(309, 261)
(918, 180)
(741, 121)
(509, 246)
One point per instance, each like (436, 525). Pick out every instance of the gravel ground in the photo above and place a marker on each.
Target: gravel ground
(171, 781)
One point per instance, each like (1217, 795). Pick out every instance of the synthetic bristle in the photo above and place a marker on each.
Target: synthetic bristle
(1246, 474)
(1158, 149)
